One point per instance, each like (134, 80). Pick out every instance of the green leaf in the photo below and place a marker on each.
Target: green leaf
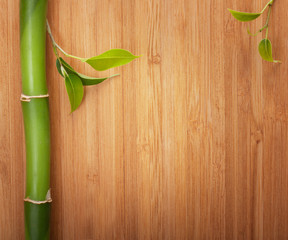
(58, 66)
(86, 80)
(265, 50)
(244, 16)
(75, 90)
(110, 59)
(67, 67)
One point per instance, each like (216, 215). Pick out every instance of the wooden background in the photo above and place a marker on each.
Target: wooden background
(190, 142)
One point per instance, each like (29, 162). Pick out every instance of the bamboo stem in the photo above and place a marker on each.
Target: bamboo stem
(36, 116)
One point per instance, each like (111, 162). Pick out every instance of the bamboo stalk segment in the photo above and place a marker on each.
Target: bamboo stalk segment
(36, 117)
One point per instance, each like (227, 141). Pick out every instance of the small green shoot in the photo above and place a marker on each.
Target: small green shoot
(265, 47)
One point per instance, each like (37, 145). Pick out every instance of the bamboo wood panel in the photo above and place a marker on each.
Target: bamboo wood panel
(190, 142)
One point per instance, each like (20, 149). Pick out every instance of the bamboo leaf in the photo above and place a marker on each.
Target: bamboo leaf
(58, 66)
(67, 67)
(265, 50)
(244, 16)
(86, 80)
(75, 90)
(110, 59)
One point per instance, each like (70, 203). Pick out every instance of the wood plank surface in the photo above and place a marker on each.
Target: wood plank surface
(190, 142)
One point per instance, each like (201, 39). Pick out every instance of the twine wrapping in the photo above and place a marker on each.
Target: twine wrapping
(26, 98)
(48, 199)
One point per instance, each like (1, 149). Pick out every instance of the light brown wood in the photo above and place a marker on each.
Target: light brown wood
(190, 142)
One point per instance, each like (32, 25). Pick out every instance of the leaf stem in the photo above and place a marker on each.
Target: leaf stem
(67, 54)
(259, 31)
(268, 4)
(267, 21)
(52, 39)
(56, 46)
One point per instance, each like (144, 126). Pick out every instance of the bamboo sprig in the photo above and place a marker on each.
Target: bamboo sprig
(74, 81)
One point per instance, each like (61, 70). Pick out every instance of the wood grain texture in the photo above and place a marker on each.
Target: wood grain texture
(190, 142)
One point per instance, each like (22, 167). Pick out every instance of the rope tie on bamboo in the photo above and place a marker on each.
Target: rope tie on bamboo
(48, 199)
(26, 98)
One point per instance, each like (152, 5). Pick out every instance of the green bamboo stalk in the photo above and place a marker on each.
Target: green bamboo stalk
(36, 117)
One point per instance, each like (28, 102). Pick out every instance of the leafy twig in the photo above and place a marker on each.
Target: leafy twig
(75, 81)
(265, 47)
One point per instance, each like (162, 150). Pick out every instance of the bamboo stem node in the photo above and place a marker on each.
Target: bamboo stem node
(47, 200)
(26, 98)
